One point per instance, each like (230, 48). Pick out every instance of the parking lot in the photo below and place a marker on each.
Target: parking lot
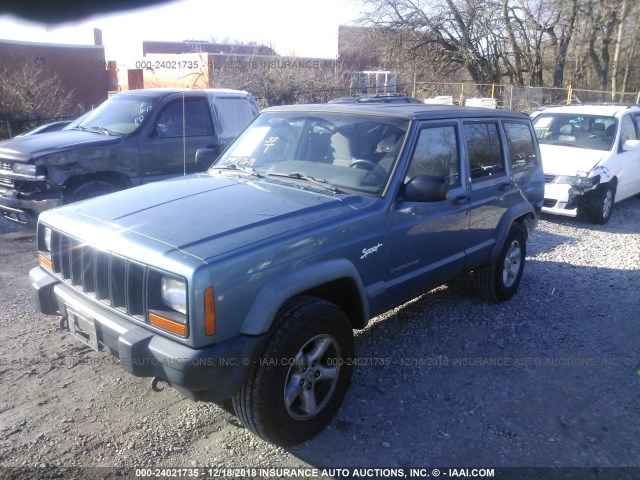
(550, 378)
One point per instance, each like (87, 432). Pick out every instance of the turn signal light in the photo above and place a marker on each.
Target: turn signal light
(209, 312)
(168, 324)
(45, 262)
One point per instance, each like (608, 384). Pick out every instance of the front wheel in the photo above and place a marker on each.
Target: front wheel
(91, 189)
(498, 279)
(301, 379)
(600, 204)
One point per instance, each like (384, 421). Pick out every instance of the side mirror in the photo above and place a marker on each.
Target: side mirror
(425, 188)
(631, 145)
(206, 156)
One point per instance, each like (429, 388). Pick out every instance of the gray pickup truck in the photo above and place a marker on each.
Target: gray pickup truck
(135, 137)
(246, 282)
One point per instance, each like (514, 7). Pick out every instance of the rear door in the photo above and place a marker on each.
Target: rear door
(492, 189)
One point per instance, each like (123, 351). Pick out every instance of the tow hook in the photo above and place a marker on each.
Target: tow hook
(154, 384)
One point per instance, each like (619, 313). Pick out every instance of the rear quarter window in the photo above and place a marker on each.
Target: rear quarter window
(522, 152)
(234, 114)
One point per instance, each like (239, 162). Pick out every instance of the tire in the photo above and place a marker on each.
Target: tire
(301, 379)
(600, 204)
(91, 189)
(498, 280)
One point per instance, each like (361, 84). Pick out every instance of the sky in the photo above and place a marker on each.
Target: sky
(306, 28)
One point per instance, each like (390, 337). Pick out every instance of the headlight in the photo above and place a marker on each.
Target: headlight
(44, 246)
(584, 182)
(174, 294)
(24, 168)
(46, 239)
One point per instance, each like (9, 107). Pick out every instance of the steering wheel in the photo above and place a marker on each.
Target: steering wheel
(378, 174)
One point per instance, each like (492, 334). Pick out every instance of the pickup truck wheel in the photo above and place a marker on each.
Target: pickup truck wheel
(91, 189)
(498, 280)
(300, 381)
(600, 204)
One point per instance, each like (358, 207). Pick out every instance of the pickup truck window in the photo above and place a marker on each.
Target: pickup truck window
(170, 121)
(121, 115)
(235, 114)
(436, 153)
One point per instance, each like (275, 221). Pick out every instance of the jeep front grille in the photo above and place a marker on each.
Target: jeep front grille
(113, 280)
(6, 181)
(5, 166)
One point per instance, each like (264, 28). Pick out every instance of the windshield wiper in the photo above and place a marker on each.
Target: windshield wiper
(301, 176)
(233, 166)
(103, 130)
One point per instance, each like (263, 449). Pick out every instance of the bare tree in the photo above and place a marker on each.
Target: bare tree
(279, 80)
(460, 35)
(31, 94)
(624, 10)
(601, 24)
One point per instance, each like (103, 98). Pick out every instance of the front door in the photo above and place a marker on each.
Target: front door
(181, 128)
(428, 239)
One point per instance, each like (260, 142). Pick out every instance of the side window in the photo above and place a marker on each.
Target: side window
(627, 130)
(436, 153)
(485, 153)
(234, 115)
(522, 152)
(197, 120)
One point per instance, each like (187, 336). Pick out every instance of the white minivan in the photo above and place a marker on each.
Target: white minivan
(590, 157)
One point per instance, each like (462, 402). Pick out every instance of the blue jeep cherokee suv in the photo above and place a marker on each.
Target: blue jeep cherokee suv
(246, 282)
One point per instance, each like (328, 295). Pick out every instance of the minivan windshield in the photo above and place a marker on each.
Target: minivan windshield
(595, 132)
(346, 151)
(120, 115)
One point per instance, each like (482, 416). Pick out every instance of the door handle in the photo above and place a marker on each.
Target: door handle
(460, 199)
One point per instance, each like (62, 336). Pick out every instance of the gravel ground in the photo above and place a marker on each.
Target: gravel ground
(550, 378)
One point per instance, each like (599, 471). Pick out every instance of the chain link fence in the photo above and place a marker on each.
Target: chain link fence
(511, 97)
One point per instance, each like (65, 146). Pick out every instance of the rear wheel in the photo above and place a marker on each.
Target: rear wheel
(303, 375)
(498, 280)
(93, 188)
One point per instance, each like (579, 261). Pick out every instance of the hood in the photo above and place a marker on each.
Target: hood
(207, 215)
(561, 160)
(26, 149)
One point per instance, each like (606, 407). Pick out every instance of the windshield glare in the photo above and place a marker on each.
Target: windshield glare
(120, 115)
(348, 151)
(594, 132)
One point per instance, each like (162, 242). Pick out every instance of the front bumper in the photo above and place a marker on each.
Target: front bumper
(212, 373)
(22, 210)
(559, 200)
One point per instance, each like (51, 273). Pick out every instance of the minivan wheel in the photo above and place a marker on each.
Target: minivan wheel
(601, 204)
(498, 280)
(298, 384)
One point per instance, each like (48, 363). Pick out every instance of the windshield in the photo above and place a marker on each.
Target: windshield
(595, 132)
(120, 115)
(346, 151)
